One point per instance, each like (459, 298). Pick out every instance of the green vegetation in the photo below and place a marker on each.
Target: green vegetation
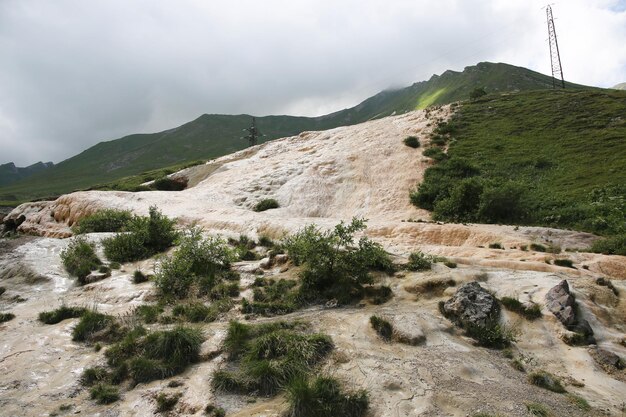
(92, 323)
(615, 245)
(492, 335)
(538, 247)
(271, 297)
(435, 153)
(450, 264)
(547, 381)
(579, 402)
(495, 246)
(95, 375)
(149, 313)
(267, 204)
(169, 184)
(79, 258)
(513, 304)
(324, 397)
(126, 163)
(104, 394)
(62, 313)
(526, 158)
(477, 93)
(333, 266)
(4, 317)
(107, 220)
(268, 357)
(412, 142)
(212, 411)
(538, 410)
(419, 261)
(383, 327)
(145, 236)
(431, 287)
(566, 263)
(167, 402)
(195, 268)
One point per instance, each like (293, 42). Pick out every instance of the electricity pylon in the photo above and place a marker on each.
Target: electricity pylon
(555, 57)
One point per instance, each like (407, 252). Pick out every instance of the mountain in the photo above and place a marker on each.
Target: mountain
(621, 86)
(213, 135)
(9, 173)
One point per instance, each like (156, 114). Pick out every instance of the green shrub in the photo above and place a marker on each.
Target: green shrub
(477, 93)
(491, 335)
(198, 262)
(167, 402)
(149, 313)
(537, 247)
(518, 365)
(496, 246)
(615, 245)
(412, 142)
(62, 313)
(419, 261)
(96, 375)
(450, 264)
(383, 327)
(547, 381)
(268, 356)
(4, 317)
(224, 290)
(435, 153)
(103, 269)
(567, 263)
(91, 322)
(333, 266)
(115, 265)
(513, 304)
(169, 184)
(212, 411)
(267, 204)
(579, 402)
(324, 397)
(79, 258)
(379, 294)
(104, 394)
(193, 312)
(432, 287)
(146, 236)
(107, 220)
(139, 277)
(538, 410)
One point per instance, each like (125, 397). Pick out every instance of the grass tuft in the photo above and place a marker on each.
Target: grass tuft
(62, 313)
(547, 381)
(324, 397)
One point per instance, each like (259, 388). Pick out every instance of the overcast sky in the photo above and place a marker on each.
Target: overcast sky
(77, 72)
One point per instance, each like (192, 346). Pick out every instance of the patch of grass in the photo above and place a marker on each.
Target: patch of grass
(567, 263)
(115, 265)
(412, 142)
(419, 261)
(378, 294)
(139, 277)
(383, 327)
(547, 381)
(91, 323)
(334, 267)
(149, 313)
(224, 290)
(4, 317)
(492, 335)
(166, 183)
(268, 357)
(513, 304)
(95, 375)
(450, 264)
(213, 411)
(107, 220)
(518, 365)
(435, 153)
(324, 397)
(145, 236)
(538, 410)
(495, 246)
(267, 204)
(166, 402)
(528, 164)
(104, 269)
(104, 394)
(615, 245)
(579, 402)
(432, 287)
(62, 313)
(79, 258)
(537, 247)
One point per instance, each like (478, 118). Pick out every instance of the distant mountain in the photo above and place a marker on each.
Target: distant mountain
(621, 86)
(213, 135)
(9, 173)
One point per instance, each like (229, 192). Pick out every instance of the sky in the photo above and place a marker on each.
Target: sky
(76, 72)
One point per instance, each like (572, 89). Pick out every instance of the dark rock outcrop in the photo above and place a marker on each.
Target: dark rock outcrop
(561, 302)
(471, 305)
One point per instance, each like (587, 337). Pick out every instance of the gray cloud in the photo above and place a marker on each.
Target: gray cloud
(74, 73)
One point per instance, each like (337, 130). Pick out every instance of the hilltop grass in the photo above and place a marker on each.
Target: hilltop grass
(551, 158)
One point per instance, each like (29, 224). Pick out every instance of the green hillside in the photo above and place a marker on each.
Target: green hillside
(9, 173)
(215, 135)
(553, 158)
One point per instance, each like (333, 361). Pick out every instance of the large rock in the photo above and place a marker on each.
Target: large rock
(472, 304)
(562, 303)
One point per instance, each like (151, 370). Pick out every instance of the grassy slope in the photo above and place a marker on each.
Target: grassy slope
(560, 145)
(210, 136)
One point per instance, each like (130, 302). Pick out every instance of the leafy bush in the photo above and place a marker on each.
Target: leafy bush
(268, 203)
(91, 322)
(62, 313)
(615, 245)
(537, 247)
(477, 93)
(79, 258)
(378, 294)
(198, 262)
(537, 410)
(383, 327)
(491, 335)
(450, 264)
(170, 184)
(546, 380)
(212, 411)
(104, 394)
(419, 261)
(94, 375)
(4, 317)
(139, 277)
(107, 220)
(268, 357)
(149, 313)
(566, 263)
(333, 266)
(146, 236)
(435, 153)
(412, 142)
(324, 397)
(496, 246)
(513, 304)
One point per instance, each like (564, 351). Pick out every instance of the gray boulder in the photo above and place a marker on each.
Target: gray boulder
(562, 303)
(607, 359)
(471, 304)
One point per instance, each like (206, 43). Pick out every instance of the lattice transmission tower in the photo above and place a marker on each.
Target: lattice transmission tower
(555, 57)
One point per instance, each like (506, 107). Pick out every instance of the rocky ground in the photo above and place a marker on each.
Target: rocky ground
(322, 178)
